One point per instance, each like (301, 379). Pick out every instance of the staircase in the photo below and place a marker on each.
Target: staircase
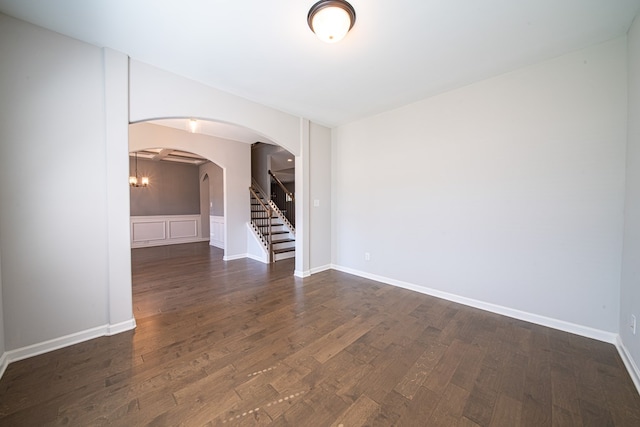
(271, 226)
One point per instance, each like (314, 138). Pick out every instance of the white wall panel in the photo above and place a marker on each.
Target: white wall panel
(158, 230)
(216, 230)
(180, 229)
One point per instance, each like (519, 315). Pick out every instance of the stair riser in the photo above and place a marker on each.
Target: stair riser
(283, 245)
(274, 228)
(285, 255)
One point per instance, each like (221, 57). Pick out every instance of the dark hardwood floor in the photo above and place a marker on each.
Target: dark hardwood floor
(241, 343)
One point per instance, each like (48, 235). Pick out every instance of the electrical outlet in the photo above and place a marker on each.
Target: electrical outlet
(632, 324)
(367, 256)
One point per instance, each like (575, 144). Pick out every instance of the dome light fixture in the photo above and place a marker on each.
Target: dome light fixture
(331, 20)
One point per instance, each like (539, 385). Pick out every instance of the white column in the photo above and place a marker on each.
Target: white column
(116, 88)
(302, 203)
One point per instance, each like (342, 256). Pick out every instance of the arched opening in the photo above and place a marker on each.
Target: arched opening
(229, 210)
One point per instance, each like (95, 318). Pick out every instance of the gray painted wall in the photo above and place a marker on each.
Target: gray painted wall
(216, 187)
(174, 189)
(54, 224)
(260, 164)
(509, 191)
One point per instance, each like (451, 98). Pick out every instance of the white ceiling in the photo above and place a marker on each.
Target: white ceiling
(399, 51)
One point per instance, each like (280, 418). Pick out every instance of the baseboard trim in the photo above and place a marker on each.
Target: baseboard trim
(121, 327)
(629, 363)
(302, 274)
(61, 342)
(562, 325)
(216, 243)
(4, 362)
(153, 243)
(321, 269)
(235, 257)
(257, 258)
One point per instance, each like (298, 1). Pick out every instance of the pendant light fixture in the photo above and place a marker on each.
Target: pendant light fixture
(133, 179)
(331, 20)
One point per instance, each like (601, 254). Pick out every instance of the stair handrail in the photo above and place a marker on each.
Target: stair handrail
(269, 214)
(289, 193)
(283, 218)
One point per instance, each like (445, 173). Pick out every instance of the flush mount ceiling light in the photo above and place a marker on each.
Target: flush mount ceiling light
(331, 20)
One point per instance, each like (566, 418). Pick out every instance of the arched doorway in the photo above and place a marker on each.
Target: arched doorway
(233, 157)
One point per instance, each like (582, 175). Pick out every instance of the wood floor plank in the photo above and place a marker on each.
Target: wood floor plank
(483, 396)
(358, 413)
(416, 376)
(441, 375)
(507, 412)
(240, 343)
(449, 409)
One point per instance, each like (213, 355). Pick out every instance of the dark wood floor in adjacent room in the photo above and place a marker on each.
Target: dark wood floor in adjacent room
(241, 343)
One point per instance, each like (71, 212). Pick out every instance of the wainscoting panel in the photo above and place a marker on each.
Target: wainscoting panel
(216, 230)
(165, 230)
(148, 230)
(180, 229)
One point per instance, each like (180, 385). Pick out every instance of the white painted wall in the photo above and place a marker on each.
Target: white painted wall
(630, 287)
(55, 271)
(508, 191)
(232, 156)
(320, 191)
(159, 94)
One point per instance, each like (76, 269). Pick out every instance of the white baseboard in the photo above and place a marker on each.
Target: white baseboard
(234, 257)
(65, 341)
(629, 363)
(121, 327)
(562, 325)
(153, 243)
(257, 258)
(302, 274)
(320, 269)
(4, 362)
(216, 243)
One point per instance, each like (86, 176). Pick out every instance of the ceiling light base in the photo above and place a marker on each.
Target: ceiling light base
(331, 20)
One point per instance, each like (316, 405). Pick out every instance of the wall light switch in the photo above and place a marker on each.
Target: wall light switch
(632, 324)
(316, 203)
(367, 256)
